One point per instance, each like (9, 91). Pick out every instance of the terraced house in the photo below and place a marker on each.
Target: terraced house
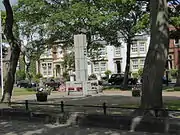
(110, 58)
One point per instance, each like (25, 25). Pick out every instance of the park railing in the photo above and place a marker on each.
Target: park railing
(103, 106)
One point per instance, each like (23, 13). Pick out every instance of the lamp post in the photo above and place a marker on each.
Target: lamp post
(1, 53)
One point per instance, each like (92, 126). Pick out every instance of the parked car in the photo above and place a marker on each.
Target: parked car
(164, 80)
(53, 83)
(117, 79)
(26, 84)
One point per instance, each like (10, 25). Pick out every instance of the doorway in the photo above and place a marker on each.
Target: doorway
(118, 66)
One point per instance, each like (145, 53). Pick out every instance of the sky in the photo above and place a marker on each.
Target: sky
(11, 1)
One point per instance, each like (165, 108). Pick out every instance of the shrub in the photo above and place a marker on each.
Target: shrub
(140, 72)
(135, 75)
(107, 72)
(176, 88)
(66, 76)
(38, 76)
(174, 73)
(92, 77)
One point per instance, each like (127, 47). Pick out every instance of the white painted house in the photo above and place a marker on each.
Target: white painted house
(112, 58)
(115, 57)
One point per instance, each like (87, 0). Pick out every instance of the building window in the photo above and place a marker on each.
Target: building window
(134, 64)
(142, 61)
(96, 67)
(103, 51)
(176, 41)
(142, 46)
(48, 53)
(117, 51)
(134, 48)
(44, 69)
(103, 66)
(49, 68)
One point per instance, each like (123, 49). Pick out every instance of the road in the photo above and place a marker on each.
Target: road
(15, 127)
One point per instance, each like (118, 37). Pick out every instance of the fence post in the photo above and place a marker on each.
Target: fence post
(104, 108)
(62, 106)
(26, 104)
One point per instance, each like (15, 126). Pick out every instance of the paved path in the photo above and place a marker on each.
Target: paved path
(28, 128)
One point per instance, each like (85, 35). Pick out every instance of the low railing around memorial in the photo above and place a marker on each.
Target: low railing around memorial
(103, 106)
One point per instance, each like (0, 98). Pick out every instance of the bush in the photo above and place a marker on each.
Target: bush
(66, 76)
(135, 75)
(107, 73)
(92, 77)
(176, 88)
(174, 73)
(38, 76)
(140, 72)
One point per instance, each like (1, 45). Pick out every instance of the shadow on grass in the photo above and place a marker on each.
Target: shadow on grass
(80, 104)
(25, 127)
(117, 100)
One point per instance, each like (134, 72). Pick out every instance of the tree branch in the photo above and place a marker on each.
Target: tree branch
(9, 21)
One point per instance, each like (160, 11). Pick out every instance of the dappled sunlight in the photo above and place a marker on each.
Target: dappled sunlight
(28, 128)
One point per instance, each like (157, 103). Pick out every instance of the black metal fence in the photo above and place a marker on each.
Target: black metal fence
(103, 106)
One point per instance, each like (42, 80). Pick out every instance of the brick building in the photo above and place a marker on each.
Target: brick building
(174, 51)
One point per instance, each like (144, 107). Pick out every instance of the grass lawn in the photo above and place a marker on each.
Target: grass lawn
(165, 88)
(174, 105)
(23, 91)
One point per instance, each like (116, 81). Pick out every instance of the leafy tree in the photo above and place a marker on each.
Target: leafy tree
(20, 75)
(69, 61)
(156, 57)
(31, 17)
(57, 22)
(128, 18)
(15, 52)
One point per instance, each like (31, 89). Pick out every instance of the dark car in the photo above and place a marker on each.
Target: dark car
(53, 83)
(26, 84)
(164, 80)
(23, 83)
(117, 79)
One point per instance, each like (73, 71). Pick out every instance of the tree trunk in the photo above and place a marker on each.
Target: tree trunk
(156, 57)
(38, 61)
(125, 80)
(15, 52)
(9, 81)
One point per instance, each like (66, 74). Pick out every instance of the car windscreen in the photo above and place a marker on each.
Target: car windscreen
(113, 75)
